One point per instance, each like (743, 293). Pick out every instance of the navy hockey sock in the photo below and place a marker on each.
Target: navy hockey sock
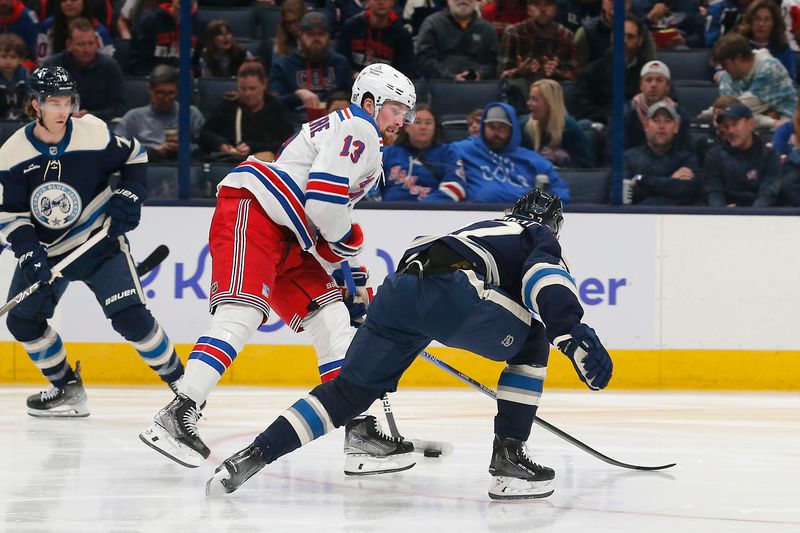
(518, 393)
(47, 352)
(282, 437)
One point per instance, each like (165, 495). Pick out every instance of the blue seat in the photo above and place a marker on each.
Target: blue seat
(455, 130)
(136, 92)
(423, 92)
(268, 19)
(695, 96)
(688, 64)
(243, 21)
(162, 181)
(212, 91)
(215, 172)
(587, 185)
(455, 99)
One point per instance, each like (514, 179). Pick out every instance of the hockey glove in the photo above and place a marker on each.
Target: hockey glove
(588, 356)
(125, 208)
(356, 305)
(336, 252)
(33, 263)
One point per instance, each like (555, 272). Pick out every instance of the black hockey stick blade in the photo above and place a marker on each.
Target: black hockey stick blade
(538, 421)
(153, 260)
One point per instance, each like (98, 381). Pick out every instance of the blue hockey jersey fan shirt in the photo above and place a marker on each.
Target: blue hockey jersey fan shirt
(506, 175)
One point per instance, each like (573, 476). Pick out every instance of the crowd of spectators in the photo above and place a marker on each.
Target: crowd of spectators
(551, 60)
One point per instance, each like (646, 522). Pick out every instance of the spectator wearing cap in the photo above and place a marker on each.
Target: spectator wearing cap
(661, 172)
(757, 79)
(539, 47)
(377, 36)
(592, 94)
(497, 168)
(304, 79)
(654, 86)
(456, 44)
(673, 22)
(716, 134)
(743, 171)
(99, 77)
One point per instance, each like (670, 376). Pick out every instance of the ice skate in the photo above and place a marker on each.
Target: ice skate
(235, 470)
(515, 476)
(69, 402)
(174, 433)
(368, 450)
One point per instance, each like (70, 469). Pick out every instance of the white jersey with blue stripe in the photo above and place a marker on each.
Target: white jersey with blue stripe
(320, 173)
(523, 259)
(56, 194)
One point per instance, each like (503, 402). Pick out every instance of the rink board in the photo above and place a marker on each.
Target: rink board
(681, 301)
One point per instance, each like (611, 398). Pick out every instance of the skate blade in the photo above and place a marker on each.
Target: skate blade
(368, 465)
(161, 441)
(63, 411)
(214, 486)
(507, 488)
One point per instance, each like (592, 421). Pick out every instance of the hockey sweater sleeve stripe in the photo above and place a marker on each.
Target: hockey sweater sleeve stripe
(328, 188)
(454, 190)
(542, 275)
(9, 222)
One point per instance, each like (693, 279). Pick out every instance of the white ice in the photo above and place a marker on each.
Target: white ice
(738, 458)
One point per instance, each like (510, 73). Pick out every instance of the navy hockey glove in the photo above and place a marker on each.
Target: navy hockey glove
(588, 356)
(33, 264)
(350, 246)
(356, 305)
(125, 208)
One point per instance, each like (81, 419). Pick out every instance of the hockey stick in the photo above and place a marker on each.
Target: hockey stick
(538, 421)
(425, 447)
(56, 270)
(153, 260)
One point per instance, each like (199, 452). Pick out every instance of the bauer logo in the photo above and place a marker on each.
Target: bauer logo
(55, 205)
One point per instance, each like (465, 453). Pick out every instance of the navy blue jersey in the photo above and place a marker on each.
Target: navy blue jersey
(523, 259)
(56, 194)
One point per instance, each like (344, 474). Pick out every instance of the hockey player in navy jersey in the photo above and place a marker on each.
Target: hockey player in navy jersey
(269, 219)
(55, 193)
(498, 288)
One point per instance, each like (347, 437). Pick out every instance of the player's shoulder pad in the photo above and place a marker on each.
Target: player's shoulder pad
(89, 133)
(16, 150)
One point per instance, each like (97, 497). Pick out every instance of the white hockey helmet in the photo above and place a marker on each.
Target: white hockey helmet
(386, 84)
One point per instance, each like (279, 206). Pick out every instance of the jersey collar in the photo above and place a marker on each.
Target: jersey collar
(358, 111)
(51, 151)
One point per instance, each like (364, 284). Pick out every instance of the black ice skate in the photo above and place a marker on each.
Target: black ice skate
(69, 402)
(174, 433)
(235, 470)
(516, 477)
(368, 450)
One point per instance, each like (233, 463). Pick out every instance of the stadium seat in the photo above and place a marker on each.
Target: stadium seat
(162, 181)
(212, 92)
(455, 99)
(215, 172)
(243, 21)
(455, 130)
(268, 19)
(7, 129)
(695, 96)
(423, 91)
(687, 64)
(587, 186)
(136, 92)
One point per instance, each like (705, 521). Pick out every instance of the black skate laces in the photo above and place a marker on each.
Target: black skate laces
(381, 434)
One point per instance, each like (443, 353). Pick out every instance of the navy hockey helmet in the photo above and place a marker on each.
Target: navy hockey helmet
(543, 207)
(47, 82)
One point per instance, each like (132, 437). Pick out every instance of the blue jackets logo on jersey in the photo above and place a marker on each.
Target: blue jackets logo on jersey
(55, 204)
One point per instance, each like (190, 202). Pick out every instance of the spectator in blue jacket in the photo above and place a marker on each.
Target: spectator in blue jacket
(662, 173)
(304, 79)
(722, 17)
(763, 25)
(17, 19)
(418, 166)
(681, 15)
(500, 170)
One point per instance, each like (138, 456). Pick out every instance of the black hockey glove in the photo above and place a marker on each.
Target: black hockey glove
(33, 263)
(588, 356)
(125, 208)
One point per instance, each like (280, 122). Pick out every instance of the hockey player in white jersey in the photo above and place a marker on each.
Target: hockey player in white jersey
(268, 219)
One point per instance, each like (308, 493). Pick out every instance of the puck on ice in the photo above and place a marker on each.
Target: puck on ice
(432, 453)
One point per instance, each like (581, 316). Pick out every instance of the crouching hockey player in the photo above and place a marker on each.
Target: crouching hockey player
(54, 179)
(268, 218)
(474, 289)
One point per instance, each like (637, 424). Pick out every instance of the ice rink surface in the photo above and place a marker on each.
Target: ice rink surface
(738, 470)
